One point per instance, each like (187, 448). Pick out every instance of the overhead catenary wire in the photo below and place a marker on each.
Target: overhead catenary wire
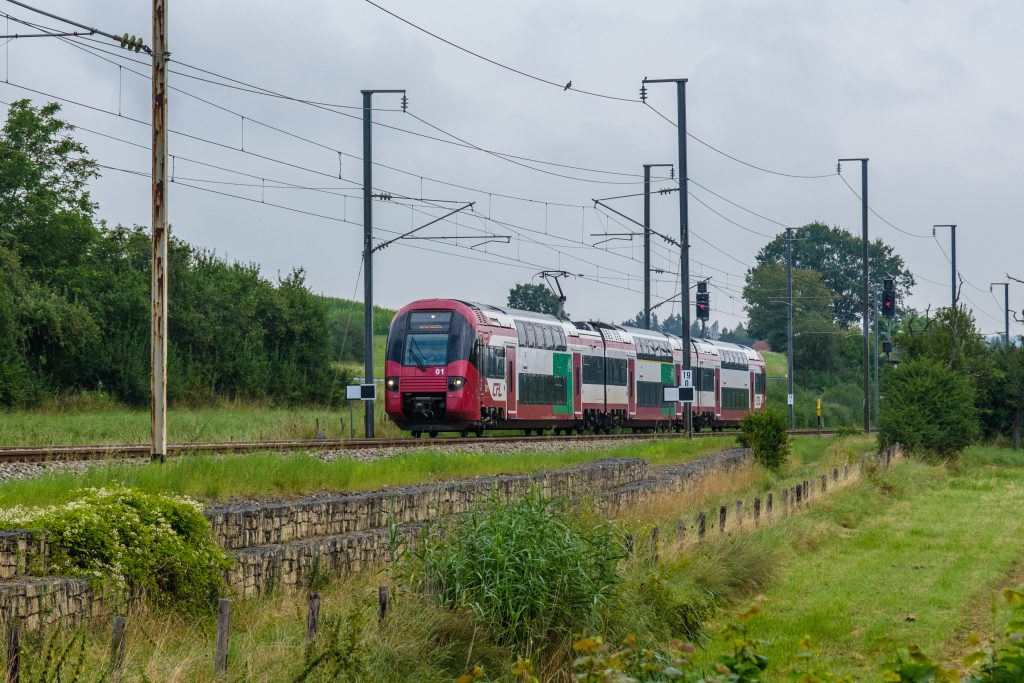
(735, 158)
(562, 86)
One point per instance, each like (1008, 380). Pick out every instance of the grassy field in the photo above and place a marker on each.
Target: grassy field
(214, 478)
(911, 557)
(92, 419)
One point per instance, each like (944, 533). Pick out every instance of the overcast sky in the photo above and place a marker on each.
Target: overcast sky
(928, 89)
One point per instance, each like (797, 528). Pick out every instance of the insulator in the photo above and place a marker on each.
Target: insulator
(672, 172)
(643, 93)
(405, 103)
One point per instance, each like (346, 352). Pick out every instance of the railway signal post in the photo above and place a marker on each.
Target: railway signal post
(368, 246)
(684, 222)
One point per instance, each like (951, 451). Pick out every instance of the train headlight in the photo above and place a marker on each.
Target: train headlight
(391, 383)
(456, 383)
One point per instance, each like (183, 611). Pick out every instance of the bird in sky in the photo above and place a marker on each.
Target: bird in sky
(567, 86)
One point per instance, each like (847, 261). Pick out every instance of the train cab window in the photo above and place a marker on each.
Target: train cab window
(396, 337)
(431, 338)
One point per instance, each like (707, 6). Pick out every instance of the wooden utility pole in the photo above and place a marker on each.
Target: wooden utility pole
(158, 340)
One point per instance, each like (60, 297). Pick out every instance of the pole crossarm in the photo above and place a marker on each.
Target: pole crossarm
(667, 238)
(92, 31)
(406, 235)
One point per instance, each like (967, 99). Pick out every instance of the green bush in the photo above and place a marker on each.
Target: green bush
(527, 572)
(765, 432)
(157, 547)
(928, 409)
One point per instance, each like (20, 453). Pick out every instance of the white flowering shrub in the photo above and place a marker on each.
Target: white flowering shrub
(156, 547)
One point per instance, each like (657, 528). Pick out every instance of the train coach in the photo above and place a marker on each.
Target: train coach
(455, 366)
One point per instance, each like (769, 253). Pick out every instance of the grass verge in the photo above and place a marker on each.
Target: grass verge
(898, 561)
(218, 478)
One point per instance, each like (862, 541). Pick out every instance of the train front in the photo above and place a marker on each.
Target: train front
(431, 384)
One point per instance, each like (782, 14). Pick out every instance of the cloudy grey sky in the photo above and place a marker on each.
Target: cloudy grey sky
(928, 89)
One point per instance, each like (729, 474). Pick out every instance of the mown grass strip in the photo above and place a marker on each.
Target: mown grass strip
(894, 562)
(216, 478)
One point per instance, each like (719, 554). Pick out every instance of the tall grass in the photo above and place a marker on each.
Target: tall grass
(528, 574)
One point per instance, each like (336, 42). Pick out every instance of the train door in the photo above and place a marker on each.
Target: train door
(666, 380)
(561, 366)
(718, 392)
(631, 386)
(577, 385)
(511, 382)
(678, 380)
(751, 404)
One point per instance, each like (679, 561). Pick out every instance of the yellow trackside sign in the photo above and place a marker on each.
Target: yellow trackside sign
(819, 407)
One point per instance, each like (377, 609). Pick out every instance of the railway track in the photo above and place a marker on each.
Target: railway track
(104, 451)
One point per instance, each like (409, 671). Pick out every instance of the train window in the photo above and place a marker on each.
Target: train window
(547, 341)
(649, 394)
(735, 399)
(531, 335)
(560, 339)
(593, 370)
(758, 382)
(704, 379)
(423, 350)
(460, 338)
(396, 337)
(615, 369)
(494, 362)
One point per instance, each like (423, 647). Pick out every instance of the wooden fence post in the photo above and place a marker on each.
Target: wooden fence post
(797, 491)
(805, 491)
(702, 520)
(654, 545)
(312, 617)
(629, 545)
(835, 474)
(13, 652)
(220, 653)
(785, 500)
(739, 514)
(680, 530)
(757, 511)
(117, 647)
(383, 599)
(824, 483)
(721, 519)
(846, 472)
(768, 504)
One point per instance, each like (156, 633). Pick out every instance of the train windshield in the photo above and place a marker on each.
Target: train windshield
(430, 338)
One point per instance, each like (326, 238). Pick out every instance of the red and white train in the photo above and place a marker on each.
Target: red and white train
(455, 366)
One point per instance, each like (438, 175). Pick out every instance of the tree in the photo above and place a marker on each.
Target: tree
(638, 321)
(837, 255)
(929, 409)
(766, 297)
(536, 298)
(1007, 408)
